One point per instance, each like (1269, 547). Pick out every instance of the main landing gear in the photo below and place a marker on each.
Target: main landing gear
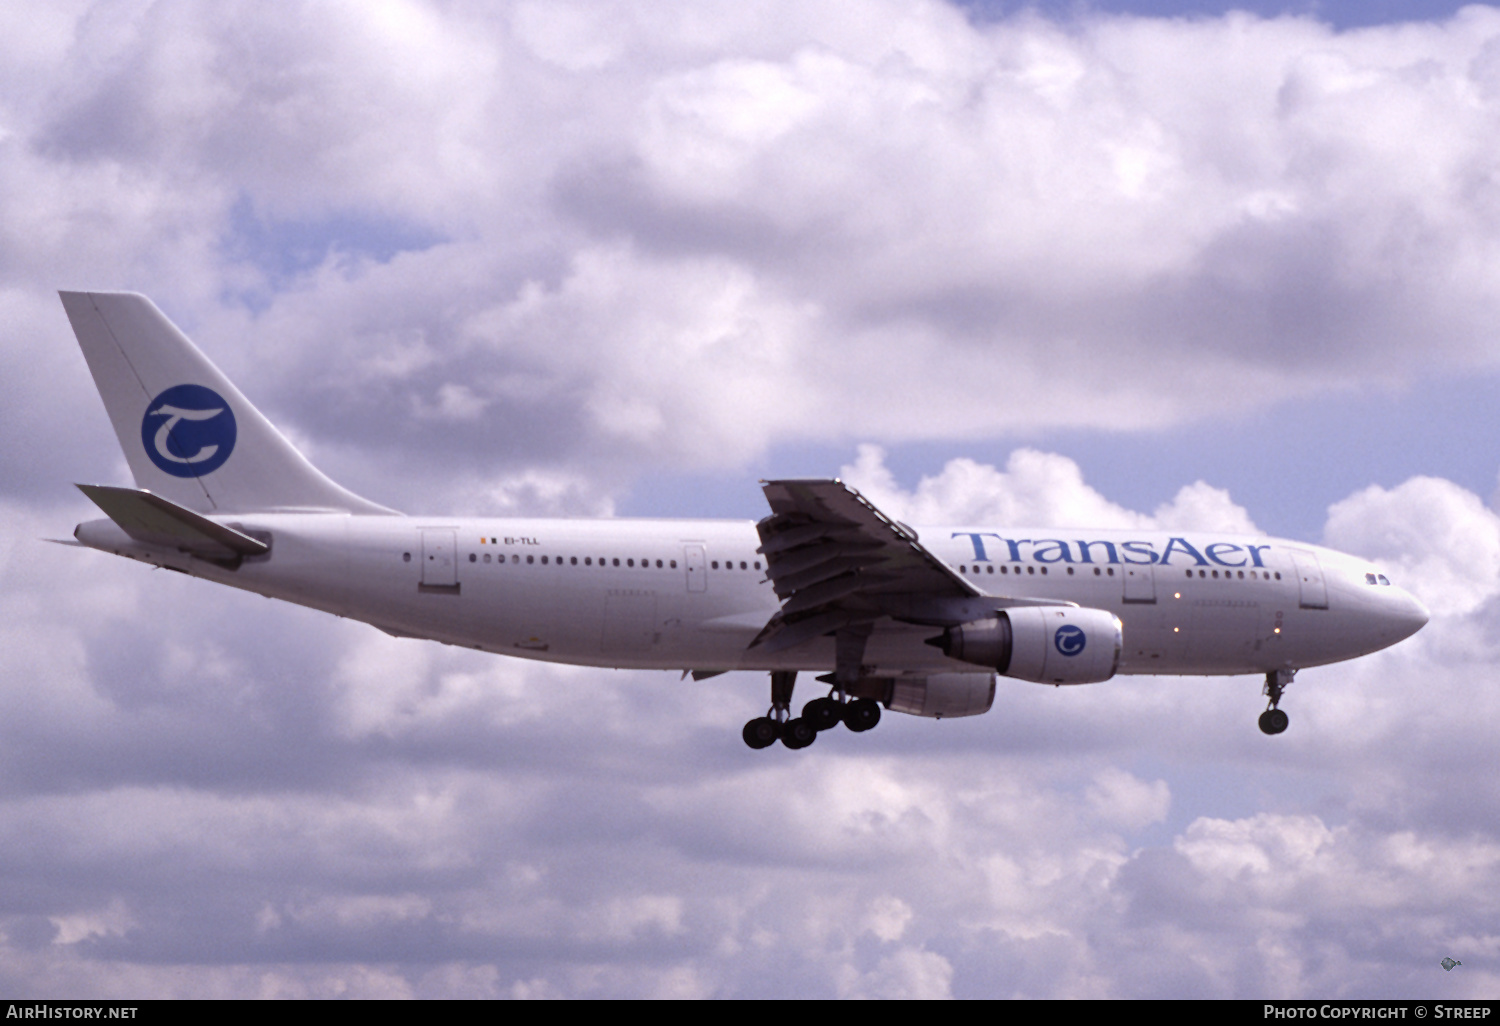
(1273, 720)
(859, 715)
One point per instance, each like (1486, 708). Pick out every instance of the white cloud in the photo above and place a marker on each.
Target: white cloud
(1438, 539)
(888, 918)
(1123, 799)
(1202, 507)
(622, 919)
(907, 975)
(113, 920)
(1034, 488)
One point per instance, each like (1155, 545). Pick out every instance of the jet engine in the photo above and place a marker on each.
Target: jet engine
(938, 695)
(942, 694)
(1045, 644)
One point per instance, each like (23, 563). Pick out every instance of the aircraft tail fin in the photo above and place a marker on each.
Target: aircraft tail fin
(189, 435)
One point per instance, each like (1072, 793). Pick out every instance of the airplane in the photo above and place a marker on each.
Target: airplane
(911, 620)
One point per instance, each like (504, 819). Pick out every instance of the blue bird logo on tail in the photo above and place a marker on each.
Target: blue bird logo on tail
(188, 431)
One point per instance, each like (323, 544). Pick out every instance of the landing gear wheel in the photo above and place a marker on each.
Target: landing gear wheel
(761, 732)
(1273, 721)
(861, 714)
(823, 713)
(798, 733)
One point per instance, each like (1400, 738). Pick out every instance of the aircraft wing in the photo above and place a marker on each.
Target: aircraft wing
(836, 561)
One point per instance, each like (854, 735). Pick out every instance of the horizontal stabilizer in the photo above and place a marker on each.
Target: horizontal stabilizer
(152, 520)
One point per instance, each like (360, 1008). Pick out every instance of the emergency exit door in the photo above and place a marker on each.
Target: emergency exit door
(439, 561)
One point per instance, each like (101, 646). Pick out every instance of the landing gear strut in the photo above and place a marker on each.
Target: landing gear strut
(764, 731)
(1273, 720)
(820, 714)
(860, 714)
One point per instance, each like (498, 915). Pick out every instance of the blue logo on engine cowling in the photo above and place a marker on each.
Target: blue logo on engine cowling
(1070, 639)
(188, 431)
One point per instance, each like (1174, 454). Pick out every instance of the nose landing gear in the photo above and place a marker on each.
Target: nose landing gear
(1273, 720)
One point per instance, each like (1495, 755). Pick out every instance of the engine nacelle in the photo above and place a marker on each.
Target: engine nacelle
(942, 694)
(938, 695)
(1045, 644)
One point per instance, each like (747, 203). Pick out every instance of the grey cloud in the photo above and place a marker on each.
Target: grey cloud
(1111, 238)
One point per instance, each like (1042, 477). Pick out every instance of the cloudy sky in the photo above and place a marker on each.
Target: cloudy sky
(1075, 263)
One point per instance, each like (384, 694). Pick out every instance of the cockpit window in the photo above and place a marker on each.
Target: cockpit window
(1369, 578)
(1384, 579)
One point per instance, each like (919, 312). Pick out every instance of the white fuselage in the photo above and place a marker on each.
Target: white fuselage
(694, 594)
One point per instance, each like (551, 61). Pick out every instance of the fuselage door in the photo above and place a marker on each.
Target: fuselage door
(696, 560)
(439, 567)
(1312, 593)
(1140, 583)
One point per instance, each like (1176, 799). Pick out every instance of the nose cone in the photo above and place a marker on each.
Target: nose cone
(1405, 617)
